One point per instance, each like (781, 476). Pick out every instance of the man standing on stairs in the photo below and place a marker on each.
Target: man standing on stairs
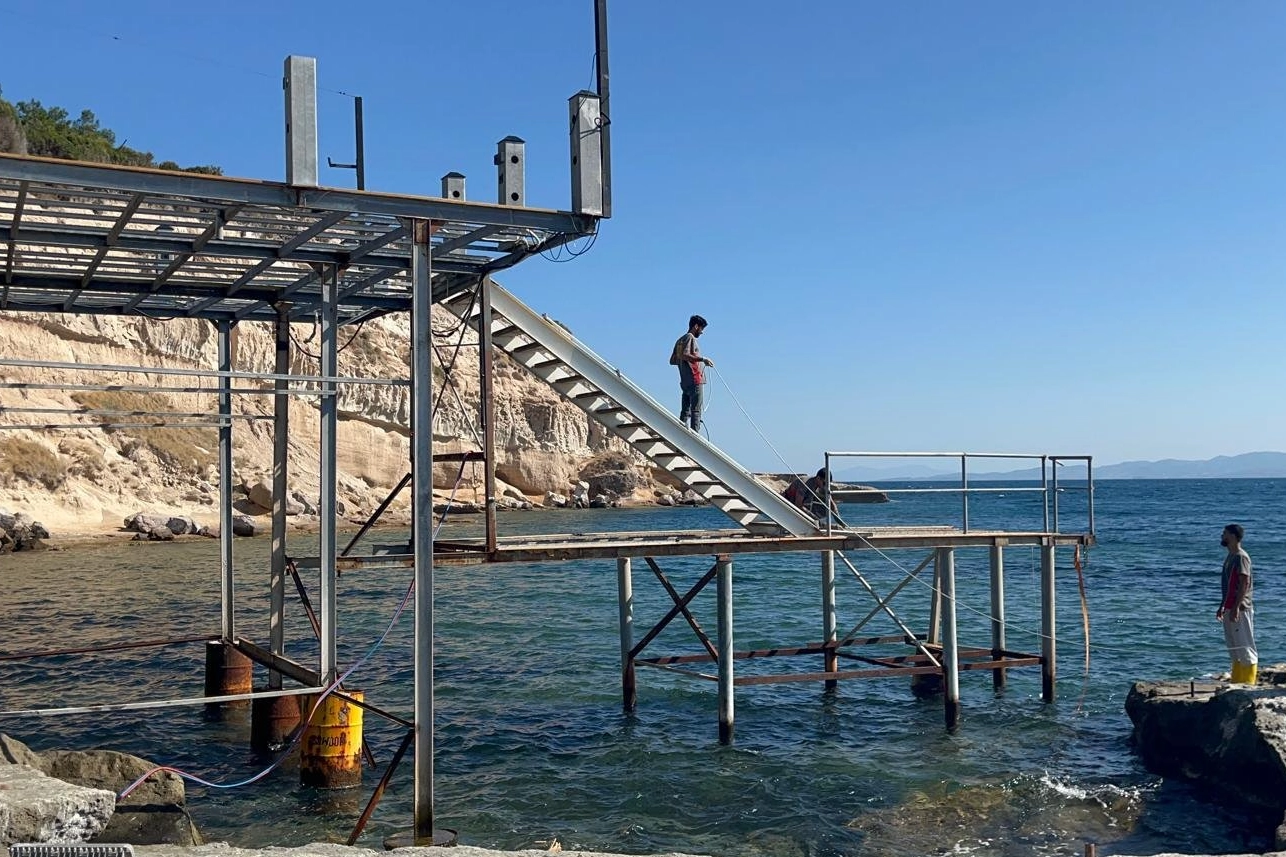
(1237, 609)
(687, 356)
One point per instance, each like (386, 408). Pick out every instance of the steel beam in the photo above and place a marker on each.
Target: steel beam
(280, 456)
(487, 405)
(950, 641)
(162, 183)
(998, 613)
(726, 649)
(829, 620)
(625, 604)
(329, 411)
(1048, 623)
(227, 590)
(422, 525)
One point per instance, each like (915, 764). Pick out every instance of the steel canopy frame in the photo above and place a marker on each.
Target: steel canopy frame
(89, 238)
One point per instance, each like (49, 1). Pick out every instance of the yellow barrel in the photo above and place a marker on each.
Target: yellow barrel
(331, 752)
(272, 720)
(227, 672)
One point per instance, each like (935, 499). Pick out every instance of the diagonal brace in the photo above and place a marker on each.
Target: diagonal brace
(883, 606)
(674, 611)
(687, 614)
(911, 575)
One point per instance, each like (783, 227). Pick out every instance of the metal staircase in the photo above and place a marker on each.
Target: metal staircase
(552, 354)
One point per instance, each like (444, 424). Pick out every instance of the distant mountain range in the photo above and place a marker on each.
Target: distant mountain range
(1250, 465)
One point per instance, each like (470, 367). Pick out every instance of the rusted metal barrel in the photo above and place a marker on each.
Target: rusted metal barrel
(227, 671)
(331, 752)
(272, 720)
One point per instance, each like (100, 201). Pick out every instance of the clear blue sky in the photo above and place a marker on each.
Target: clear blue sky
(986, 226)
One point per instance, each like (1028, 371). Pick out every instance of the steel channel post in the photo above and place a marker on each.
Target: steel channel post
(1044, 489)
(1048, 628)
(950, 645)
(964, 489)
(998, 614)
(829, 619)
(726, 649)
(1089, 488)
(329, 365)
(488, 403)
(422, 528)
(935, 604)
(227, 591)
(625, 594)
(280, 453)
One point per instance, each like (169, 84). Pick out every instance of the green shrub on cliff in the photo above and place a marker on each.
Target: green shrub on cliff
(31, 128)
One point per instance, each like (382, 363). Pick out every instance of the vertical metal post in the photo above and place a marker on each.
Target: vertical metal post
(422, 529)
(964, 489)
(1048, 628)
(726, 649)
(360, 135)
(935, 605)
(997, 613)
(604, 98)
(1089, 488)
(625, 594)
(950, 647)
(280, 455)
(488, 403)
(300, 85)
(1044, 490)
(829, 622)
(227, 590)
(1054, 471)
(329, 408)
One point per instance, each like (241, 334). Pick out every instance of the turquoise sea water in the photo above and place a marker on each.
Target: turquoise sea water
(532, 742)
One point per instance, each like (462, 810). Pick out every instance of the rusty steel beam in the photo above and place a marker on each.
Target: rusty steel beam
(111, 647)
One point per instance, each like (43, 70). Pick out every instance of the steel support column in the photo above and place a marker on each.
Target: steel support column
(625, 595)
(726, 648)
(1048, 625)
(950, 645)
(328, 607)
(227, 591)
(998, 614)
(488, 403)
(422, 527)
(935, 603)
(280, 452)
(829, 630)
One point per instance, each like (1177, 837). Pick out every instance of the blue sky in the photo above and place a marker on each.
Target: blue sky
(984, 227)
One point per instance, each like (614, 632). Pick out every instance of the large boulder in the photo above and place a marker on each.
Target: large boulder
(153, 813)
(1231, 738)
(35, 807)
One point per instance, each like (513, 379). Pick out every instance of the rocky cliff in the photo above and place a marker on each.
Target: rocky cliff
(88, 479)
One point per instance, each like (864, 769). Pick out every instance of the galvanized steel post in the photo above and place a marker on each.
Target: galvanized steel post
(227, 590)
(328, 406)
(726, 648)
(422, 527)
(488, 403)
(829, 631)
(997, 613)
(625, 594)
(1048, 628)
(950, 647)
(934, 634)
(280, 454)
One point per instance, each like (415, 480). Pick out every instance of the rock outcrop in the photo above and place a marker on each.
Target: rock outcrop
(84, 480)
(35, 807)
(1229, 737)
(153, 813)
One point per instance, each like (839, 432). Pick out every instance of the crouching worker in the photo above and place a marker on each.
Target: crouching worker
(812, 495)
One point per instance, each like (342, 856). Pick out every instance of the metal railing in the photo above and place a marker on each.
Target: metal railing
(1048, 488)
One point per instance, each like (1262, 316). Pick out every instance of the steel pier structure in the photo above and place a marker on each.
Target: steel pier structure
(88, 238)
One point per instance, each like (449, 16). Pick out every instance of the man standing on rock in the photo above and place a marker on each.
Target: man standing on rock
(687, 356)
(1237, 609)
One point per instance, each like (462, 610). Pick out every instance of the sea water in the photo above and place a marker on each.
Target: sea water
(532, 742)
